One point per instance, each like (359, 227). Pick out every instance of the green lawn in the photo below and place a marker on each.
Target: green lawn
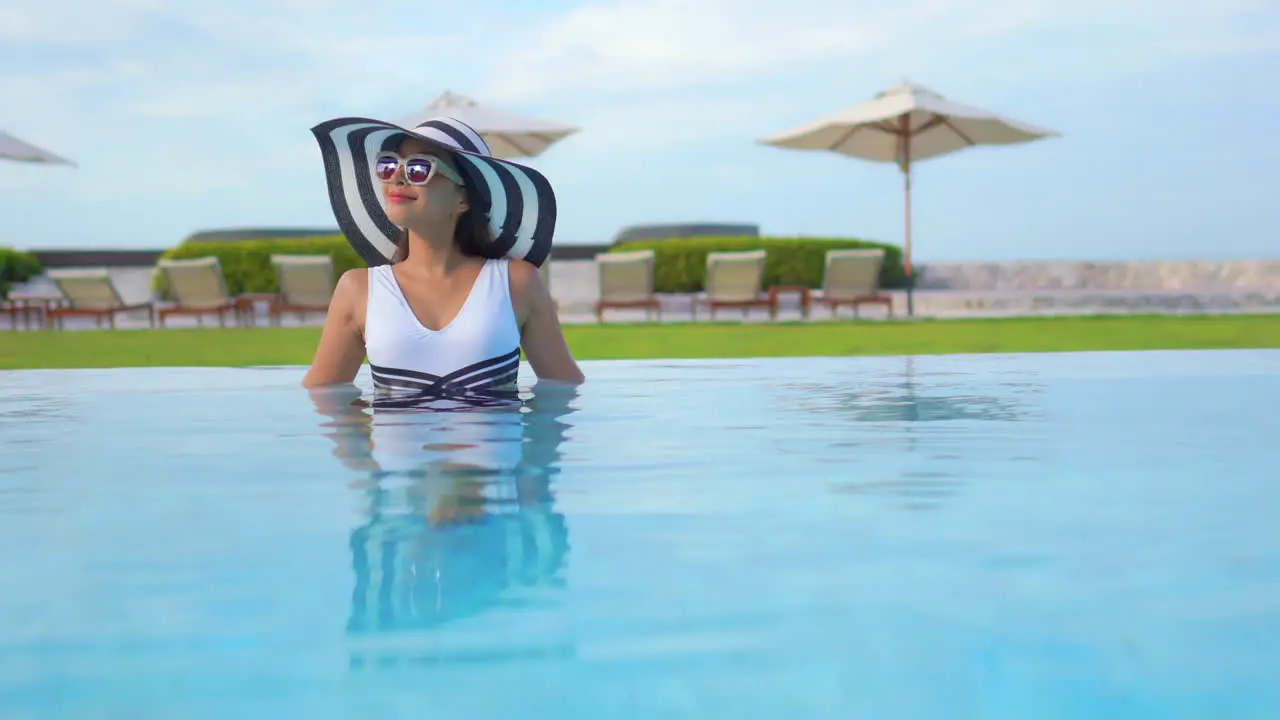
(292, 346)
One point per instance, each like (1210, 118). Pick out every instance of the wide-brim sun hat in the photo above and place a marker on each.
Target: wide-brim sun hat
(517, 200)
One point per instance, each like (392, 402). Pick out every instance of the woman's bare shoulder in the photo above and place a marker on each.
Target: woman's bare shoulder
(350, 292)
(353, 280)
(524, 277)
(522, 269)
(525, 286)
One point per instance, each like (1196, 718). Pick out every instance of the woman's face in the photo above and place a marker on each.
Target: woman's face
(410, 205)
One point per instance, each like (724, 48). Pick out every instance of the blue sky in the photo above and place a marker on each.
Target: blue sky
(187, 116)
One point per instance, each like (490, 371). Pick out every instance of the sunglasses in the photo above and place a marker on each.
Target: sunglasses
(418, 169)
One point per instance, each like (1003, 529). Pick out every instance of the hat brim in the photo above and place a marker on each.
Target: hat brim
(517, 200)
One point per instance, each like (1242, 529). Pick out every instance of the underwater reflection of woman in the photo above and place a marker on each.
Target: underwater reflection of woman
(452, 527)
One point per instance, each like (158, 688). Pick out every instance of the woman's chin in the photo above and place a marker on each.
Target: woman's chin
(397, 216)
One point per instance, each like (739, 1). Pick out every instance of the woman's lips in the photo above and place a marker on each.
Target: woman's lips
(398, 198)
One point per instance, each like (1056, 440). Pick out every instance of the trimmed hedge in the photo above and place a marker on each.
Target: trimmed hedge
(15, 267)
(680, 264)
(247, 263)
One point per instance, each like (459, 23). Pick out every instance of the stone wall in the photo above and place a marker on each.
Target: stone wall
(1148, 276)
(1023, 288)
(978, 303)
(575, 282)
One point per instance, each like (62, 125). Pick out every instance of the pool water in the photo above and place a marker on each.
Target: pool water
(1034, 536)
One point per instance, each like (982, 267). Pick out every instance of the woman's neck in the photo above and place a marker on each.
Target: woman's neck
(427, 253)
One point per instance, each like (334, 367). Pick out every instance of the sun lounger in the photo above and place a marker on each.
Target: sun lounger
(735, 280)
(852, 277)
(626, 281)
(306, 285)
(196, 287)
(91, 293)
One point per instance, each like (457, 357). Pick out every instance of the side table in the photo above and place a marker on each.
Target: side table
(247, 303)
(806, 298)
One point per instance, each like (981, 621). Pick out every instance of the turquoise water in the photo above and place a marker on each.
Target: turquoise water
(1038, 536)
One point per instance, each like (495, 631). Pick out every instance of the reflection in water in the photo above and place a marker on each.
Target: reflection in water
(33, 407)
(27, 425)
(456, 492)
(905, 402)
(899, 408)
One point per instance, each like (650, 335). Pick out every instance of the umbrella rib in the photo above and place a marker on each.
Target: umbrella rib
(512, 141)
(544, 137)
(886, 126)
(845, 138)
(933, 123)
(951, 126)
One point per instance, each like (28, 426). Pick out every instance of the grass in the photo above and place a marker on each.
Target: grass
(295, 346)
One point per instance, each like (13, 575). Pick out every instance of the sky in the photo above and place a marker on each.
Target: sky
(185, 116)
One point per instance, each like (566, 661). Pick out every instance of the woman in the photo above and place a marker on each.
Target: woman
(452, 292)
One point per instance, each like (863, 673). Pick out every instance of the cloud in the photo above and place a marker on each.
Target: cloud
(161, 57)
(63, 23)
(656, 74)
(128, 87)
(653, 72)
(626, 47)
(226, 91)
(634, 45)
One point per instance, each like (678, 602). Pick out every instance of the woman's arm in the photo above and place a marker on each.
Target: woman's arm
(541, 337)
(349, 427)
(341, 349)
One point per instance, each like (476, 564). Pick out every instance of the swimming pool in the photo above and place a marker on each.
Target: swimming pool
(1035, 536)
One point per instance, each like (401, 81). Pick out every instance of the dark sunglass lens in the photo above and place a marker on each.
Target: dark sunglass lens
(385, 167)
(417, 171)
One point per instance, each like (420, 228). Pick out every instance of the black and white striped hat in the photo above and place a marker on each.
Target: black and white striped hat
(518, 200)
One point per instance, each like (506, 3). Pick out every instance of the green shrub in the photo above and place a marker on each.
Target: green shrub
(680, 264)
(247, 263)
(15, 267)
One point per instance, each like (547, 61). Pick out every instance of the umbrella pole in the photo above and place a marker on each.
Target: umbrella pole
(911, 281)
(906, 188)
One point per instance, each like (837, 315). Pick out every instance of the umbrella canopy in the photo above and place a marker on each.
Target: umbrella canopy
(905, 124)
(508, 135)
(11, 148)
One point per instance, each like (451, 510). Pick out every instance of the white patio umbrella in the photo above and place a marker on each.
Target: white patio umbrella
(905, 124)
(508, 135)
(11, 148)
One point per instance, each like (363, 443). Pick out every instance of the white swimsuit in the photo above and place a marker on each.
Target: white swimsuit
(467, 366)
(478, 350)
